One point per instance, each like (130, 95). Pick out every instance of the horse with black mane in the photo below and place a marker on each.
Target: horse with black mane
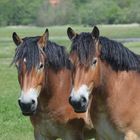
(109, 73)
(44, 75)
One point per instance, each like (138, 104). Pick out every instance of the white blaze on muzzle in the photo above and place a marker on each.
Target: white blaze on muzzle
(83, 91)
(31, 94)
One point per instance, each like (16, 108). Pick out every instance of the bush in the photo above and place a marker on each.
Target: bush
(99, 12)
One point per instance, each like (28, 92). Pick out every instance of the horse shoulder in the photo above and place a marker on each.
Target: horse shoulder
(105, 128)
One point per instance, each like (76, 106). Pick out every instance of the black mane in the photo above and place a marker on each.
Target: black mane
(27, 49)
(118, 56)
(113, 52)
(83, 45)
(56, 56)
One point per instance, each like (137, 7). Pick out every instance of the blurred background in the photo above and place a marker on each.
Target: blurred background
(62, 12)
(116, 19)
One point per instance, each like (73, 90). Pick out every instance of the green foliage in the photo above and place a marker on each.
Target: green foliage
(16, 12)
(102, 11)
(87, 12)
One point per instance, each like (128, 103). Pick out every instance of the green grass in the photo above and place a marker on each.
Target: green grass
(13, 125)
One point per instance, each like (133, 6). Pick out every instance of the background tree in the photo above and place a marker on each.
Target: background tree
(63, 13)
(88, 12)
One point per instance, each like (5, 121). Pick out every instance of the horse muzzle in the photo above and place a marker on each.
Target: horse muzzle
(28, 109)
(80, 106)
(28, 101)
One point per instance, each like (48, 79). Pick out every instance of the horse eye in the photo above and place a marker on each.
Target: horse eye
(41, 66)
(94, 61)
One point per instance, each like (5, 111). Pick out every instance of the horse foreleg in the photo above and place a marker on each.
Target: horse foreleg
(50, 138)
(38, 136)
(130, 135)
(73, 135)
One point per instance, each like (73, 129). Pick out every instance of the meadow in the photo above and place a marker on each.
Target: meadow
(13, 125)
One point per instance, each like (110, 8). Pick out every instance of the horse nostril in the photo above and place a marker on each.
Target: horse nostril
(72, 101)
(83, 100)
(19, 102)
(33, 101)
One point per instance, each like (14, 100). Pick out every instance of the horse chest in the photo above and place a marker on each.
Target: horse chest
(105, 129)
(51, 128)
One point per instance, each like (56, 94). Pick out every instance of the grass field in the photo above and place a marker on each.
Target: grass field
(14, 126)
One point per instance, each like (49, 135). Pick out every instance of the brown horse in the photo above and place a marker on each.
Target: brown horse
(44, 74)
(110, 73)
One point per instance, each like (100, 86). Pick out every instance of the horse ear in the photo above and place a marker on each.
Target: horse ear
(16, 39)
(95, 32)
(44, 39)
(98, 49)
(71, 34)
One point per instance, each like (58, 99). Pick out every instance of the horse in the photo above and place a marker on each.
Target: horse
(44, 75)
(108, 72)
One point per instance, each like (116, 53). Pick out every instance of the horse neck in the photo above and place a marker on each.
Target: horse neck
(101, 92)
(116, 82)
(108, 77)
(59, 82)
(57, 87)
